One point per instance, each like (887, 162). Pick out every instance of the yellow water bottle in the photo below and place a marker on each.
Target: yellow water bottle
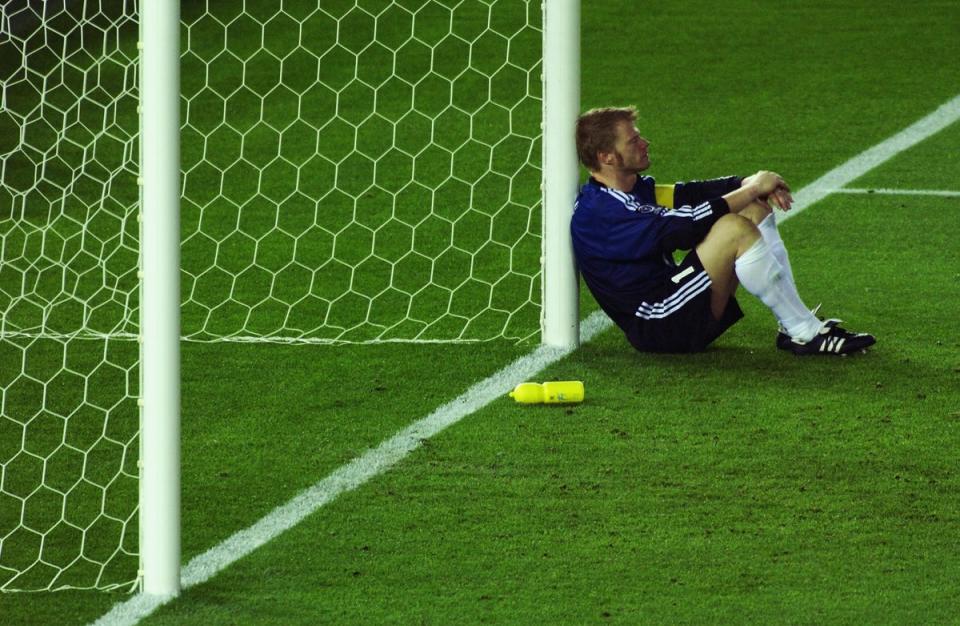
(554, 392)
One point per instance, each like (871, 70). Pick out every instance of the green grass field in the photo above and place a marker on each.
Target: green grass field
(738, 485)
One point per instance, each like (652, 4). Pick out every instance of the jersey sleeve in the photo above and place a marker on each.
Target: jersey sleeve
(688, 225)
(697, 192)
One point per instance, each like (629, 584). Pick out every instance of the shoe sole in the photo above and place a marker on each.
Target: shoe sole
(861, 350)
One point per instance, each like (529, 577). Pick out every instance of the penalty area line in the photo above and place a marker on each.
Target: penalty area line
(943, 193)
(378, 460)
(845, 173)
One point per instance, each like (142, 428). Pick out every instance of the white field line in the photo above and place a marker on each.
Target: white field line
(901, 192)
(355, 473)
(842, 175)
(279, 339)
(377, 460)
(80, 334)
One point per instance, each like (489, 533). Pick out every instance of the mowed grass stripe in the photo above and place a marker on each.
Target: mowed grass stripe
(387, 454)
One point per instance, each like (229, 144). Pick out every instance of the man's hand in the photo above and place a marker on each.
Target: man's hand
(780, 198)
(771, 189)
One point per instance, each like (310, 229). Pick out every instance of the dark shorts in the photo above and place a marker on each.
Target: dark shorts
(676, 317)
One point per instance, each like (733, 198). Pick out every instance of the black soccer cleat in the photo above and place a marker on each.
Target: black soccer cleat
(832, 339)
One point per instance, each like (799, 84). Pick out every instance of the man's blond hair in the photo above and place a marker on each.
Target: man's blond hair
(597, 132)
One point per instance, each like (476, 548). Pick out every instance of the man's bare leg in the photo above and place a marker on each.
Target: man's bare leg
(730, 237)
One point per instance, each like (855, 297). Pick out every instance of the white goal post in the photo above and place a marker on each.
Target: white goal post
(160, 289)
(561, 105)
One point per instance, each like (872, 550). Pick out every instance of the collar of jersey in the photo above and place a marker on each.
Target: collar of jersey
(628, 199)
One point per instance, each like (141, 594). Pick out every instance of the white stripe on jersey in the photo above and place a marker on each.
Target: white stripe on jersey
(675, 301)
(697, 213)
(631, 203)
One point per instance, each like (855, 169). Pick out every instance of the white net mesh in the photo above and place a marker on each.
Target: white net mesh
(352, 171)
(68, 289)
(361, 170)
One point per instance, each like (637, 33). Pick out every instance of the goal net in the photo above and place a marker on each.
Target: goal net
(362, 170)
(352, 171)
(68, 295)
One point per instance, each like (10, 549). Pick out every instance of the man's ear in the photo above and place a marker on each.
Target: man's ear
(606, 158)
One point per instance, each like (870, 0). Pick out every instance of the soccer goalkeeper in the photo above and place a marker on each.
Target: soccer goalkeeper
(625, 230)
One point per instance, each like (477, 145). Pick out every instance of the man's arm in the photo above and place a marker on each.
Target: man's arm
(696, 192)
(682, 229)
(758, 188)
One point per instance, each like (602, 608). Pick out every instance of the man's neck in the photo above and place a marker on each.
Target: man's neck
(624, 180)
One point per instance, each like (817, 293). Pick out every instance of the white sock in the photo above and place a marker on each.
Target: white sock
(770, 234)
(764, 276)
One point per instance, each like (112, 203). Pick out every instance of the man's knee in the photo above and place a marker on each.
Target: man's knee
(735, 228)
(729, 237)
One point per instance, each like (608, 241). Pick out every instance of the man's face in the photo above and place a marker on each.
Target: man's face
(631, 149)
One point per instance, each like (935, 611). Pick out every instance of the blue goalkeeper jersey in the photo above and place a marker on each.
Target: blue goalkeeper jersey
(624, 241)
